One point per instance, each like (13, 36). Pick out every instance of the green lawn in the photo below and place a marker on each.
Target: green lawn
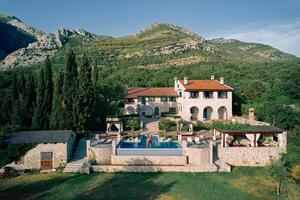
(242, 183)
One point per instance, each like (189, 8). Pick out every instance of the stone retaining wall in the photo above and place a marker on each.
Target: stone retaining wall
(102, 155)
(148, 160)
(197, 156)
(119, 168)
(249, 156)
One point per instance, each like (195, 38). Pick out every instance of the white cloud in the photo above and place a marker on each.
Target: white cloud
(284, 35)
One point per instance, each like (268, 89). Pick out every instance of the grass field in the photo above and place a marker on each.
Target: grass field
(242, 183)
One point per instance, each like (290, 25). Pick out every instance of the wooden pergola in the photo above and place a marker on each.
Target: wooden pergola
(252, 133)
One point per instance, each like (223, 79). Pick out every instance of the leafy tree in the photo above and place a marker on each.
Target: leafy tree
(84, 96)
(278, 171)
(132, 123)
(164, 124)
(56, 119)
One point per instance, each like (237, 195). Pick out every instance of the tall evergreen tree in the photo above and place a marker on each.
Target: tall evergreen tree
(56, 120)
(69, 89)
(84, 96)
(38, 118)
(29, 99)
(95, 73)
(48, 93)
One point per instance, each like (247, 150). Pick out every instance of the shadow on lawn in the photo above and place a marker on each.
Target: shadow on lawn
(130, 185)
(33, 190)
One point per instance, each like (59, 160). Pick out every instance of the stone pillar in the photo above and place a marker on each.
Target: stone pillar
(214, 134)
(118, 138)
(251, 138)
(184, 146)
(179, 138)
(113, 144)
(284, 141)
(88, 146)
(211, 152)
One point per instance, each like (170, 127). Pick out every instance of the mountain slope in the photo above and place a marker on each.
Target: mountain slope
(156, 46)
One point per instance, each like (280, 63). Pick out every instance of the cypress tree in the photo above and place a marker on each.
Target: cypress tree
(56, 120)
(38, 118)
(69, 89)
(47, 99)
(84, 95)
(29, 99)
(95, 73)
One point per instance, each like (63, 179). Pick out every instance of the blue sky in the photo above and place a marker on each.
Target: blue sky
(273, 22)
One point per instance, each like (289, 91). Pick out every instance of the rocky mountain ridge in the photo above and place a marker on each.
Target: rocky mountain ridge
(166, 44)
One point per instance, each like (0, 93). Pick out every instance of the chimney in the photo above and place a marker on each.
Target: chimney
(251, 114)
(222, 80)
(212, 77)
(185, 81)
(175, 82)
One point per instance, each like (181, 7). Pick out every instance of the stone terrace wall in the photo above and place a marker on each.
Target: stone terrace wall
(32, 159)
(197, 156)
(103, 154)
(248, 156)
(148, 160)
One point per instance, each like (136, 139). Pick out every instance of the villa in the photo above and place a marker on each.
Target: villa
(252, 143)
(190, 99)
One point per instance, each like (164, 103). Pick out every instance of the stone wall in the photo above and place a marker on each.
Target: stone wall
(148, 160)
(32, 159)
(248, 156)
(198, 156)
(102, 155)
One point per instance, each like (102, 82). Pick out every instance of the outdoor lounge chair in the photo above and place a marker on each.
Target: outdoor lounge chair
(189, 140)
(197, 140)
(107, 141)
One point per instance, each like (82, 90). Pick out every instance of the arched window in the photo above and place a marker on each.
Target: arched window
(207, 112)
(222, 112)
(194, 113)
(130, 110)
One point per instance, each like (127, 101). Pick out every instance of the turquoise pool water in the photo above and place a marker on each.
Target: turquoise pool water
(155, 143)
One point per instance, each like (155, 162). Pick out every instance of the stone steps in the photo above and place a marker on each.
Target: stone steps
(79, 158)
(222, 166)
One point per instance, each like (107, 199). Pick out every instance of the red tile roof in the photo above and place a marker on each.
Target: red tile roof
(205, 85)
(151, 92)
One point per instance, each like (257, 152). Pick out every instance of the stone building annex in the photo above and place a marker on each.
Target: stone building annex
(148, 150)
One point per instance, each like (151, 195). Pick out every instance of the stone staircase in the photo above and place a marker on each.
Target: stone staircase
(79, 158)
(222, 166)
(152, 125)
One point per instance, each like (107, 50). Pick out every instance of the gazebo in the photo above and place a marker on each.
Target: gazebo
(114, 126)
(252, 136)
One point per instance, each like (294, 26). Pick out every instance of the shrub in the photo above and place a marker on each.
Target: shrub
(295, 173)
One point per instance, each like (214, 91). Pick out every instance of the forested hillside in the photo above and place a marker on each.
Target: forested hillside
(262, 77)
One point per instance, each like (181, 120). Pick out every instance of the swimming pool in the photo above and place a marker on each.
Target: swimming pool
(160, 148)
(155, 143)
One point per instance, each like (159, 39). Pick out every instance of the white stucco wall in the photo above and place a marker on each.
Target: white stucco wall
(185, 103)
(149, 108)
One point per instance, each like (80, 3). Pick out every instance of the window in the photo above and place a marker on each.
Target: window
(180, 94)
(164, 99)
(172, 99)
(172, 110)
(151, 99)
(139, 99)
(194, 95)
(208, 95)
(222, 95)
